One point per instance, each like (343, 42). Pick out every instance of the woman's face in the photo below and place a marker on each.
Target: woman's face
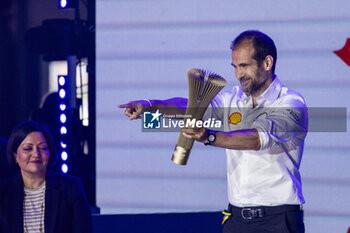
(33, 154)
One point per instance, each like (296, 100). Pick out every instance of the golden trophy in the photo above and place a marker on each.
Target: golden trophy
(203, 87)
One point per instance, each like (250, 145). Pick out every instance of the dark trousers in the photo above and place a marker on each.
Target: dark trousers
(265, 221)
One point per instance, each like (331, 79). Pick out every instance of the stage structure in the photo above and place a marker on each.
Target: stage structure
(73, 125)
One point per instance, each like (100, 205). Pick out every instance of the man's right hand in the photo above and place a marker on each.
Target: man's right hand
(134, 109)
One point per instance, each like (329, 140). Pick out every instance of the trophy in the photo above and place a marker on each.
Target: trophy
(203, 87)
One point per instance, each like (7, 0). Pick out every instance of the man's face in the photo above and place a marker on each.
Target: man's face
(251, 76)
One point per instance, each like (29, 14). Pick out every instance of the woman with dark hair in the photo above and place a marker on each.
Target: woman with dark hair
(37, 199)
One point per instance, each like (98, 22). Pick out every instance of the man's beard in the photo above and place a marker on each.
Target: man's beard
(256, 84)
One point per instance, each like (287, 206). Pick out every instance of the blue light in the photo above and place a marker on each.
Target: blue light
(62, 93)
(63, 118)
(63, 3)
(63, 145)
(61, 80)
(64, 168)
(64, 156)
(63, 107)
(63, 130)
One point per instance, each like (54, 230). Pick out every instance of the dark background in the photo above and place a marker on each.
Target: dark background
(24, 75)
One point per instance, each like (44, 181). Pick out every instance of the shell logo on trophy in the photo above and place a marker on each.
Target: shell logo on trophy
(203, 87)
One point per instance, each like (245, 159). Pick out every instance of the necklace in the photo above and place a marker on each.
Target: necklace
(41, 220)
(26, 225)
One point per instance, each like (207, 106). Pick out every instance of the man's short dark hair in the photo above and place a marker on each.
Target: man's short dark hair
(262, 43)
(21, 132)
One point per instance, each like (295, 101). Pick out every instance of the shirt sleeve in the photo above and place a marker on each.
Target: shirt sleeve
(284, 123)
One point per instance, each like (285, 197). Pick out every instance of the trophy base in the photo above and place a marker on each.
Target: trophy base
(180, 155)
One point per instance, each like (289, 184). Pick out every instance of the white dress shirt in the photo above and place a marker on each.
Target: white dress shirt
(269, 176)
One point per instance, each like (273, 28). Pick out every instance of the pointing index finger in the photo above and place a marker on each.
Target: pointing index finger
(124, 105)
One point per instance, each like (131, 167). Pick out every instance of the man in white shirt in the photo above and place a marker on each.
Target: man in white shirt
(264, 147)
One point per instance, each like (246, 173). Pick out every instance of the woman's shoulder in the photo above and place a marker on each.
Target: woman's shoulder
(9, 187)
(59, 179)
(11, 181)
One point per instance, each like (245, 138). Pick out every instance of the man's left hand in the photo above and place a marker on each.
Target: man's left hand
(198, 134)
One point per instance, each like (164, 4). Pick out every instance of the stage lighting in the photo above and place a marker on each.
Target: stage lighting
(63, 106)
(62, 93)
(65, 122)
(64, 155)
(63, 118)
(64, 168)
(61, 80)
(63, 145)
(63, 130)
(64, 4)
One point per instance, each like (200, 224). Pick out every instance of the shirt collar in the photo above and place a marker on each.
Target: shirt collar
(270, 94)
